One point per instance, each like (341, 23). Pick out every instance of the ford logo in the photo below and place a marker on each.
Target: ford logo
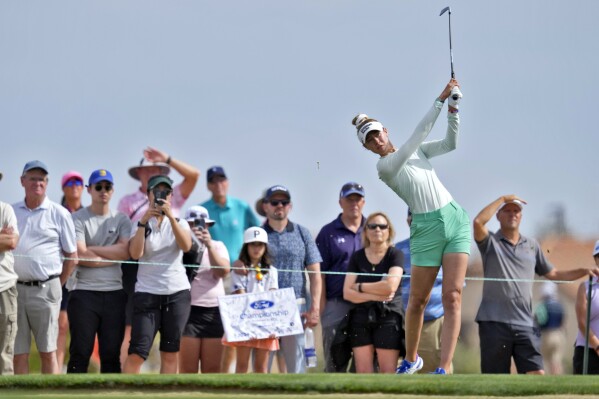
(262, 304)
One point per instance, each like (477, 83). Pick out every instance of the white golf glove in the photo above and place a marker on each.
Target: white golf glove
(455, 97)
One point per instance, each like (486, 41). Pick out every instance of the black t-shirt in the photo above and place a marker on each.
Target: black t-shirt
(358, 263)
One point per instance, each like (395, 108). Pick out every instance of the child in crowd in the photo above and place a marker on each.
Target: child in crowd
(261, 277)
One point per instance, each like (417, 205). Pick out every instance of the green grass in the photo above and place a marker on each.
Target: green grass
(452, 385)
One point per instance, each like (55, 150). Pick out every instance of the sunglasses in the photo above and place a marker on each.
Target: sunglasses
(73, 183)
(373, 226)
(100, 187)
(279, 202)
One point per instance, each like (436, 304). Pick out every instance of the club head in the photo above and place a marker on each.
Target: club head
(445, 9)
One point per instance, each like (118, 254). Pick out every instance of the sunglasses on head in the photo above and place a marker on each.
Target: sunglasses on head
(73, 183)
(352, 186)
(100, 187)
(279, 202)
(373, 226)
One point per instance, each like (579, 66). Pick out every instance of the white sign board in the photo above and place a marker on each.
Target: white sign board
(247, 316)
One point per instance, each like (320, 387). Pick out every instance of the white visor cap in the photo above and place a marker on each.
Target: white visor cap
(371, 126)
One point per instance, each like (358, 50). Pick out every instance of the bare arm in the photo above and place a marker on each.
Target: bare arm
(68, 264)
(384, 288)
(313, 314)
(189, 173)
(97, 256)
(8, 239)
(182, 237)
(323, 292)
(483, 217)
(351, 293)
(571, 275)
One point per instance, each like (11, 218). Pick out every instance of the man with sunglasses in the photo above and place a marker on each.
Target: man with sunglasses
(46, 256)
(293, 251)
(337, 241)
(97, 300)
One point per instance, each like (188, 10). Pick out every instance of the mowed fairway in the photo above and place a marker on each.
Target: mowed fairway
(276, 386)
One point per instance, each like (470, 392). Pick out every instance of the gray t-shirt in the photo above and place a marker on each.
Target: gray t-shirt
(510, 301)
(97, 230)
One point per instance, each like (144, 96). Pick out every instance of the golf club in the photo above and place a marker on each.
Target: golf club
(450, 48)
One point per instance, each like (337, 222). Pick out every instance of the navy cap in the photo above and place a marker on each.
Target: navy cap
(35, 165)
(159, 179)
(100, 175)
(277, 189)
(215, 171)
(351, 188)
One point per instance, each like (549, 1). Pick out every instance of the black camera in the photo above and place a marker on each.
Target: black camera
(200, 223)
(160, 195)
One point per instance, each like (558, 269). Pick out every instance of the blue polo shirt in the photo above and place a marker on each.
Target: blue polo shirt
(434, 309)
(292, 250)
(231, 221)
(336, 244)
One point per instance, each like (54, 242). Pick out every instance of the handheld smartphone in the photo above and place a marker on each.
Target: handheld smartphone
(159, 195)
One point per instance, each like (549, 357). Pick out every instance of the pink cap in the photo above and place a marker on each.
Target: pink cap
(71, 175)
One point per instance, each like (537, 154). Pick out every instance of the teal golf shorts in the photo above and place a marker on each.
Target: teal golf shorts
(433, 234)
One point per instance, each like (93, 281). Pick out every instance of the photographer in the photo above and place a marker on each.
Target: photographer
(162, 299)
(201, 342)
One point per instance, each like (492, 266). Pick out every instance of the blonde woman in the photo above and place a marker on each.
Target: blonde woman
(375, 323)
(440, 230)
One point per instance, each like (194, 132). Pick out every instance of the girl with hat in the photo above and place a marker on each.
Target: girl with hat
(261, 277)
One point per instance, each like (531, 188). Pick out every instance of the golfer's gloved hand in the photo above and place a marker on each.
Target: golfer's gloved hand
(455, 97)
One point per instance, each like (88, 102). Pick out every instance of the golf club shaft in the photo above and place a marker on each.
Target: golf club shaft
(450, 47)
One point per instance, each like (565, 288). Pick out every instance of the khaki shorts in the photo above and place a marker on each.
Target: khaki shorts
(38, 309)
(8, 329)
(433, 234)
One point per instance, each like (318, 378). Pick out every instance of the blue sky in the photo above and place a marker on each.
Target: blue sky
(267, 89)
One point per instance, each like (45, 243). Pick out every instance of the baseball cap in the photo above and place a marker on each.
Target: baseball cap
(365, 126)
(255, 234)
(100, 175)
(277, 189)
(35, 165)
(215, 171)
(70, 175)
(196, 212)
(159, 179)
(144, 163)
(351, 188)
(517, 202)
(596, 249)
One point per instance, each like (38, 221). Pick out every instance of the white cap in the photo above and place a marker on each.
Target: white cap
(596, 249)
(197, 212)
(255, 234)
(517, 202)
(367, 127)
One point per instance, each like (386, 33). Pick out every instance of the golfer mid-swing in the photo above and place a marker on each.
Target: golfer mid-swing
(440, 230)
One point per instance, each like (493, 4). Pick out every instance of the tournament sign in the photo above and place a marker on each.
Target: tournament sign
(259, 315)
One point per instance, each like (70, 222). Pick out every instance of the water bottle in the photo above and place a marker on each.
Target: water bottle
(309, 349)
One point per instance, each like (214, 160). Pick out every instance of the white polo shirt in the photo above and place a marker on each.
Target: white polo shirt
(161, 270)
(46, 232)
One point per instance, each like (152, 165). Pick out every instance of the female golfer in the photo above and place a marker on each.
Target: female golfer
(440, 230)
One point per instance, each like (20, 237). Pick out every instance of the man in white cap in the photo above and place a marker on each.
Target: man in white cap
(47, 254)
(135, 205)
(9, 237)
(510, 262)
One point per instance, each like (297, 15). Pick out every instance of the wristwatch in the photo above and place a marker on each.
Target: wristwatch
(140, 224)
